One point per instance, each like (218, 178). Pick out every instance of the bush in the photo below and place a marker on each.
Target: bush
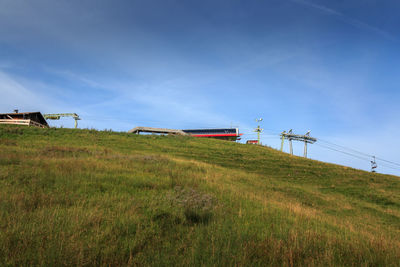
(197, 206)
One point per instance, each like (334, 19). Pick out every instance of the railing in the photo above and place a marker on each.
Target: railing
(34, 123)
(22, 122)
(19, 122)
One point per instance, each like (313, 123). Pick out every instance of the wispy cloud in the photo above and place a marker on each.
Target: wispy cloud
(319, 7)
(75, 77)
(15, 95)
(30, 95)
(349, 20)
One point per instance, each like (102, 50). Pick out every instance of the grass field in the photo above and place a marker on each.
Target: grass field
(86, 197)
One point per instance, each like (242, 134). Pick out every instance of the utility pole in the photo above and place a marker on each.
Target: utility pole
(303, 138)
(258, 130)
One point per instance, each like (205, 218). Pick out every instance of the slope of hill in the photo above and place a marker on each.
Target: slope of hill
(85, 197)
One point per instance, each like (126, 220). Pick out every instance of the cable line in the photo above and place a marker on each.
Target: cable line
(357, 156)
(347, 153)
(387, 166)
(394, 163)
(347, 148)
(361, 153)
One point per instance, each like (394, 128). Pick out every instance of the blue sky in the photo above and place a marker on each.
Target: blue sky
(332, 67)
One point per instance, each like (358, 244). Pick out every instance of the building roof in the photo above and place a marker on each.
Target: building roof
(34, 116)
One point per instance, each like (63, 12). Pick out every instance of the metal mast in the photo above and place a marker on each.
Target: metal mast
(289, 135)
(283, 140)
(258, 130)
(305, 143)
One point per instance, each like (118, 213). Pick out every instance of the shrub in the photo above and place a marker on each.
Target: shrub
(197, 206)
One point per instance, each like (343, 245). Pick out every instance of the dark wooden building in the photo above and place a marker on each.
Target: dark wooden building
(24, 118)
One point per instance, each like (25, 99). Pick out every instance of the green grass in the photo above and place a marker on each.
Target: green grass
(86, 197)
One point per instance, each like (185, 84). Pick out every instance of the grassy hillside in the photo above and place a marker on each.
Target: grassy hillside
(85, 197)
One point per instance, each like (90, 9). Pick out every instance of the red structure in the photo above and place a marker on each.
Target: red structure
(231, 134)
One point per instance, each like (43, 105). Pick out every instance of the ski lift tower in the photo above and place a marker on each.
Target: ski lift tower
(307, 139)
(59, 115)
